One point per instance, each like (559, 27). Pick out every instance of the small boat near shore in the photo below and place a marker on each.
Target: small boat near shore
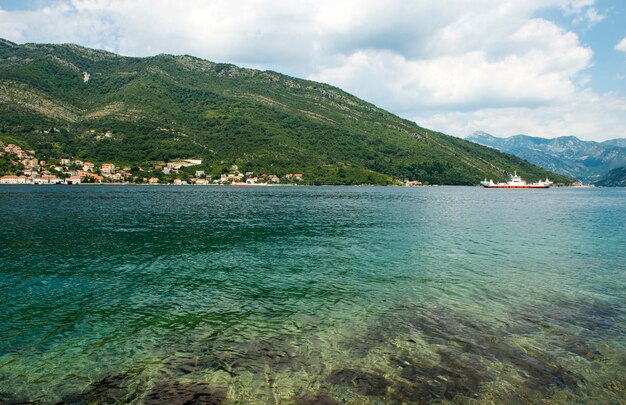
(516, 182)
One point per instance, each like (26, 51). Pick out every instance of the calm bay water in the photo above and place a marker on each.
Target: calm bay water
(312, 295)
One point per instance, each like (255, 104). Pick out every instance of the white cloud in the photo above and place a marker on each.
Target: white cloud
(621, 46)
(593, 16)
(431, 60)
(583, 12)
(576, 7)
(539, 69)
(294, 33)
(587, 116)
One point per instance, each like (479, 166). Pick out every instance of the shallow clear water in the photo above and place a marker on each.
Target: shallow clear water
(312, 295)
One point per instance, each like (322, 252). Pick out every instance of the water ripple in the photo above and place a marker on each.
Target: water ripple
(345, 294)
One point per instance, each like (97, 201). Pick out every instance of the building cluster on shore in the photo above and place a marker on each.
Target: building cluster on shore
(27, 169)
(232, 176)
(65, 171)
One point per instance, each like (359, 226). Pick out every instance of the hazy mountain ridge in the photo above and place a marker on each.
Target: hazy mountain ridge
(129, 110)
(614, 178)
(621, 142)
(567, 155)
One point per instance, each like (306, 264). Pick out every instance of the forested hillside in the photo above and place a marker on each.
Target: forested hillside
(66, 101)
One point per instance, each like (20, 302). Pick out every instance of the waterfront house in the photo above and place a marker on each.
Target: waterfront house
(12, 179)
(153, 180)
(108, 168)
(96, 177)
(49, 179)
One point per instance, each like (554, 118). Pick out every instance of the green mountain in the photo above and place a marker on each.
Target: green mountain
(566, 155)
(70, 101)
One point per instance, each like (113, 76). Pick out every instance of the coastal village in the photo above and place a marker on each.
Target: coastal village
(26, 168)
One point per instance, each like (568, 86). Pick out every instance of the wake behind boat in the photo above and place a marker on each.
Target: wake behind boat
(516, 182)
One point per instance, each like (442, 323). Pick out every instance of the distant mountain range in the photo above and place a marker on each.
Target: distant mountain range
(567, 155)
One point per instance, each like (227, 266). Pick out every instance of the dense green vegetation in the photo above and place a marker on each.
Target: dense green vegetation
(135, 111)
(7, 167)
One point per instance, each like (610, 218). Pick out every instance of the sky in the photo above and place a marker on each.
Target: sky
(544, 68)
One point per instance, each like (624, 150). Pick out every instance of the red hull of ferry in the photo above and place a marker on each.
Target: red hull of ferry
(526, 186)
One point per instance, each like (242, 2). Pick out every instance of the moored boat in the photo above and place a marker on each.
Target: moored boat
(516, 182)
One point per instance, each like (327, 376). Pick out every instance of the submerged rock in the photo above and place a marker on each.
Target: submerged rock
(177, 393)
(316, 399)
(363, 382)
(116, 388)
(111, 389)
(469, 354)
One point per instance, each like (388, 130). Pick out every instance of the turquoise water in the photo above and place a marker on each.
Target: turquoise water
(312, 295)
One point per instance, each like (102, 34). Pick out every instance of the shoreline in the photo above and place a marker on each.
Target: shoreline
(280, 185)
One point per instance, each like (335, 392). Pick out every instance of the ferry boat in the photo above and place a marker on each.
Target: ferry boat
(516, 182)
